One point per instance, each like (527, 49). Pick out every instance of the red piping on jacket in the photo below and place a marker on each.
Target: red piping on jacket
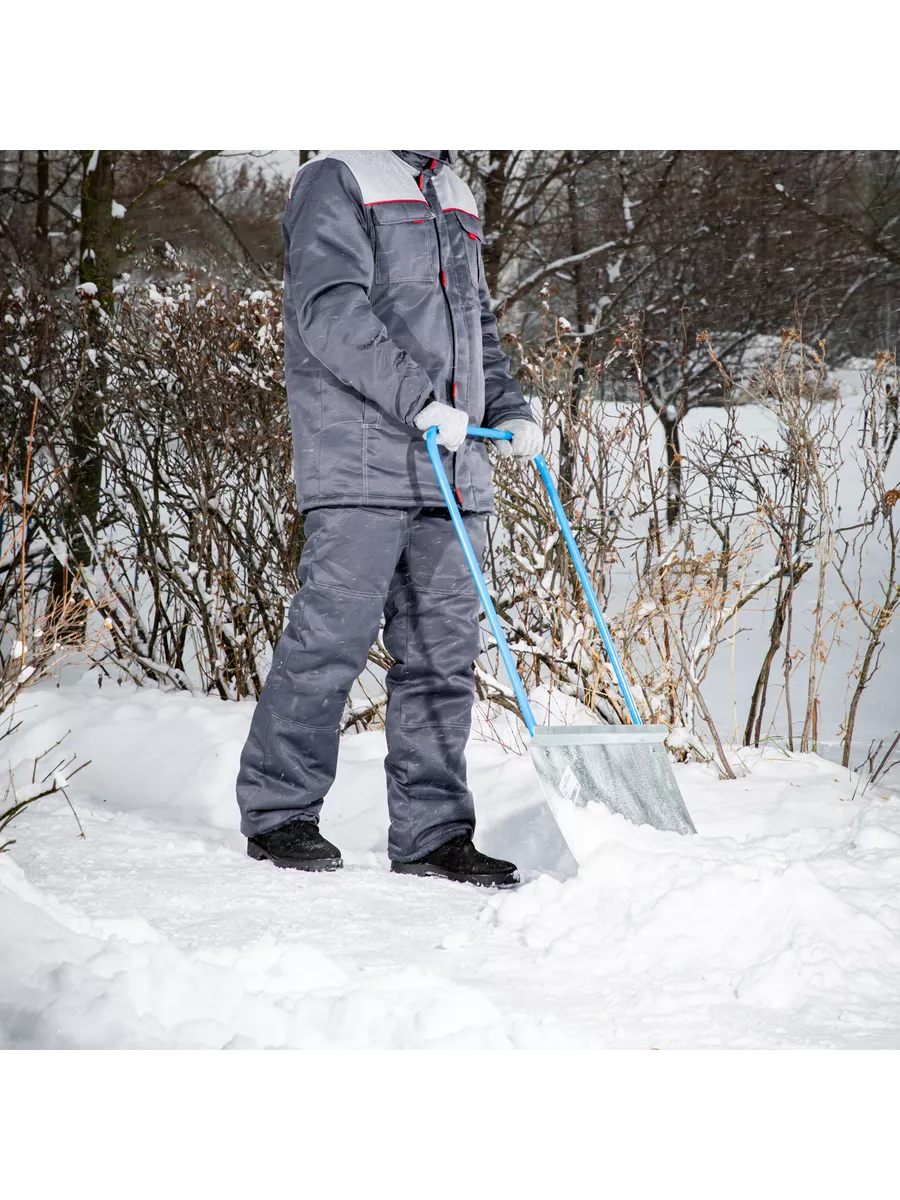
(404, 200)
(462, 210)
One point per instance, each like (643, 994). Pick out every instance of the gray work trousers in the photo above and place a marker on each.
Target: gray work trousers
(358, 563)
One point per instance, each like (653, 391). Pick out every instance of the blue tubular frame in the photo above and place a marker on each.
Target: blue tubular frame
(475, 567)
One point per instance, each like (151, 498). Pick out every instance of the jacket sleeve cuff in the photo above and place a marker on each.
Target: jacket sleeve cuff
(410, 409)
(510, 407)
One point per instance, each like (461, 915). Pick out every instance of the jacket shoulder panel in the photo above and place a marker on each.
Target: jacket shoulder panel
(454, 194)
(381, 176)
(302, 167)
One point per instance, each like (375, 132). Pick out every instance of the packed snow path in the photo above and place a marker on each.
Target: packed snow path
(779, 925)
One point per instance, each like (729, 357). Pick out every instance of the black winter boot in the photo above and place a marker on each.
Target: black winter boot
(297, 844)
(460, 861)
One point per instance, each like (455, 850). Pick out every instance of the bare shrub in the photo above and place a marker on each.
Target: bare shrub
(197, 537)
(873, 603)
(31, 622)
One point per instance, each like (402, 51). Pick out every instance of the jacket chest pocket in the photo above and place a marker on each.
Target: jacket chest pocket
(405, 242)
(471, 236)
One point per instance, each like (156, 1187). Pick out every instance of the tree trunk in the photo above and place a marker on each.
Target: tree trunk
(494, 199)
(97, 261)
(576, 243)
(42, 215)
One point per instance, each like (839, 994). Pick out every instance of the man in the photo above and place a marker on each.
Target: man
(388, 331)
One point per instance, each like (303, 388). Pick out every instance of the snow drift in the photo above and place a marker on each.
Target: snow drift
(778, 925)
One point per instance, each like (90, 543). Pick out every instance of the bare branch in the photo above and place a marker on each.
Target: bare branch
(536, 276)
(176, 173)
(248, 254)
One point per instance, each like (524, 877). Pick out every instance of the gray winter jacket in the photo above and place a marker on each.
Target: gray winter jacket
(386, 308)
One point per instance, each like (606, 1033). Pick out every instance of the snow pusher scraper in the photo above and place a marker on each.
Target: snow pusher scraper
(624, 767)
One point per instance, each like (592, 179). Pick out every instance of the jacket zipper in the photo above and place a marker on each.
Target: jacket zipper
(444, 281)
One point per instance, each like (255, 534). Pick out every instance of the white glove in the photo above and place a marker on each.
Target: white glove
(527, 440)
(451, 423)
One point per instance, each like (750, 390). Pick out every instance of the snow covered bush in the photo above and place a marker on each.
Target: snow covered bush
(31, 624)
(31, 621)
(201, 535)
(196, 538)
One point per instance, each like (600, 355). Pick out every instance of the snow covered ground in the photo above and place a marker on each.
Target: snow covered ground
(779, 925)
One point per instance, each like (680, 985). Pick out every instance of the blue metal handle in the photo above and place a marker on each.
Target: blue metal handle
(499, 435)
(475, 567)
(484, 595)
(584, 578)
